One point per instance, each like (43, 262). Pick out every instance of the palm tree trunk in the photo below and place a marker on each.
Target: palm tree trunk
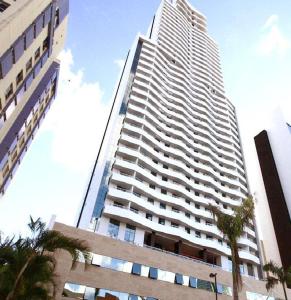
(284, 289)
(236, 277)
(12, 293)
(235, 288)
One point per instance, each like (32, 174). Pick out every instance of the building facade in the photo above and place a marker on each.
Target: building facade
(123, 271)
(273, 145)
(32, 33)
(171, 147)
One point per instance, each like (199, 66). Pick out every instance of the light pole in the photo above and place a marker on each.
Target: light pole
(215, 283)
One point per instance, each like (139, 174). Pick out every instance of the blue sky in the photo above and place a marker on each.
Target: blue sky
(254, 38)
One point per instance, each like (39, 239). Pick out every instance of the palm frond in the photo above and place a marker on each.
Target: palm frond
(271, 282)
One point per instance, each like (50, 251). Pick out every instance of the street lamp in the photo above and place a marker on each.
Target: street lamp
(215, 282)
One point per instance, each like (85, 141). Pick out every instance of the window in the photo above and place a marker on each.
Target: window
(9, 91)
(250, 270)
(220, 242)
(166, 155)
(165, 167)
(19, 77)
(208, 223)
(174, 225)
(187, 215)
(187, 229)
(45, 44)
(153, 274)
(209, 237)
(179, 279)
(198, 234)
(129, 233)
(187, 201)
(149, 216)
(162, 205)
(3, 5)
(196, 182)
(37, 54)
(136, 269)
(154, 173)
(161, 221)
(224, 206)
(187, 188)
(196, 194)
(151, 200)
(29, 65)
(163, 191)
(152, 186)
(204, 285)
(193, 282)
(197, 219)
(164, 178)
(197, 206)
(113, 228)
(155, 161)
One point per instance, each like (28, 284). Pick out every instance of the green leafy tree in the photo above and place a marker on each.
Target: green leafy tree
(27, 264)
(279, 276)
(232, 227)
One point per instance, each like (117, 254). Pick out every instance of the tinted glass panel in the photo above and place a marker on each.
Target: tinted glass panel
(193, 282)
(29, 36)
(179, 279)
(18, 48)
(47, 15)
(136, 269)
(153, 273)
(38, 25)
(204, 285)
(6, 62)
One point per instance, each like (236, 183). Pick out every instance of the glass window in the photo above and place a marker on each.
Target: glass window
(153, 273)
(37, 54)
(193, 282)
(136, 269)
(198, 234)
(73, 290)
(161, 221)
(149, 216)
(29, 65)
(112, 263)
(9, 91)
(19, 77)
(204, 285)
(90, 293)
(113, 228)
(197, 206)
(162, 205)
(179, 279)
(129, 233)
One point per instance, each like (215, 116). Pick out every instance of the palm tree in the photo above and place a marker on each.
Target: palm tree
(281, 275)
(232, 227)
(27, 264)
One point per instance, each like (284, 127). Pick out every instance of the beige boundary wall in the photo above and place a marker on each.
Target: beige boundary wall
(98, 277)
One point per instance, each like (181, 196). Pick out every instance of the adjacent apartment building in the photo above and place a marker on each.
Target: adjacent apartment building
(171, 147)
(273, 145)
(32, 33)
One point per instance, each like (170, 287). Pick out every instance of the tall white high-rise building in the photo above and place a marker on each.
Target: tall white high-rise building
(171, 147)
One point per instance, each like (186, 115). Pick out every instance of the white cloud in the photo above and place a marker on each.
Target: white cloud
(120, 63)
(273, 19)
(273, 41)
(77, 118)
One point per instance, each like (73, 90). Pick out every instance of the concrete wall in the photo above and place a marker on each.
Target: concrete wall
(113, 280)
